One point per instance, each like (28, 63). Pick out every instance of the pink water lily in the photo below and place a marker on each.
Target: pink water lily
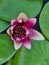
(21, 31)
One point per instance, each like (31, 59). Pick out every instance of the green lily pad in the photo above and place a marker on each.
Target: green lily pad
(9, 9)
(46, 62)
(10, 62)
(39, 53)
(44, 21)
(3, 25)
(6, 48)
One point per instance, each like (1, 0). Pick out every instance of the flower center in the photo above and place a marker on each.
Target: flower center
(20, 32)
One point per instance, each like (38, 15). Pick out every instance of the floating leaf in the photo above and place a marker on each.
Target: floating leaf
(46, 62)
(9, 9)
(6, 48)
(3, 25)
(44, 20)
(10, 62)
(38, 54)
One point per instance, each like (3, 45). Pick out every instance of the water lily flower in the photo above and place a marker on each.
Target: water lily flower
(21, 31)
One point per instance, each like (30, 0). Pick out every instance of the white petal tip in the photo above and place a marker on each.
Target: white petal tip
(22, 16)
(28, 46)
(17, 45)
(35, 35)
(42, 38)
(8, 31)
(34, 20)
(16, 48)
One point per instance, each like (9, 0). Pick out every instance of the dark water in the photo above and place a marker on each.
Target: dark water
(37, 24)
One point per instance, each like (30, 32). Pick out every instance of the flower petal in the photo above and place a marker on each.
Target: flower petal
(36, 35)
(13, 22)
(9, 31)
(22, 16)
(20, 21)
(12, 27)
(26, 29)
(31, 22)
(13, 37)
(26, 43)
(17, 45)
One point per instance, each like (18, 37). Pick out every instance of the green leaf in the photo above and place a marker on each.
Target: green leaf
(44, 21)
(10, 62)
(9, 9)
(3, 25)
(38, 54)
(46, 62)
(6, 48)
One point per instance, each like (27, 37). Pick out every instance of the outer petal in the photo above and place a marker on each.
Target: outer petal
(31, 22)
(9, 31)
(36, 35)
(22, 16)
(17, 45)
(26, 43)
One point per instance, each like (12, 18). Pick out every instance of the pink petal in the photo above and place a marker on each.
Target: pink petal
(36, 35)
(12, 27)
(17, 45)
(13, 38)
(26, 29)
(20, 21)
(31, 22)
(18, 39)
(13, 22)
(26, 43)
